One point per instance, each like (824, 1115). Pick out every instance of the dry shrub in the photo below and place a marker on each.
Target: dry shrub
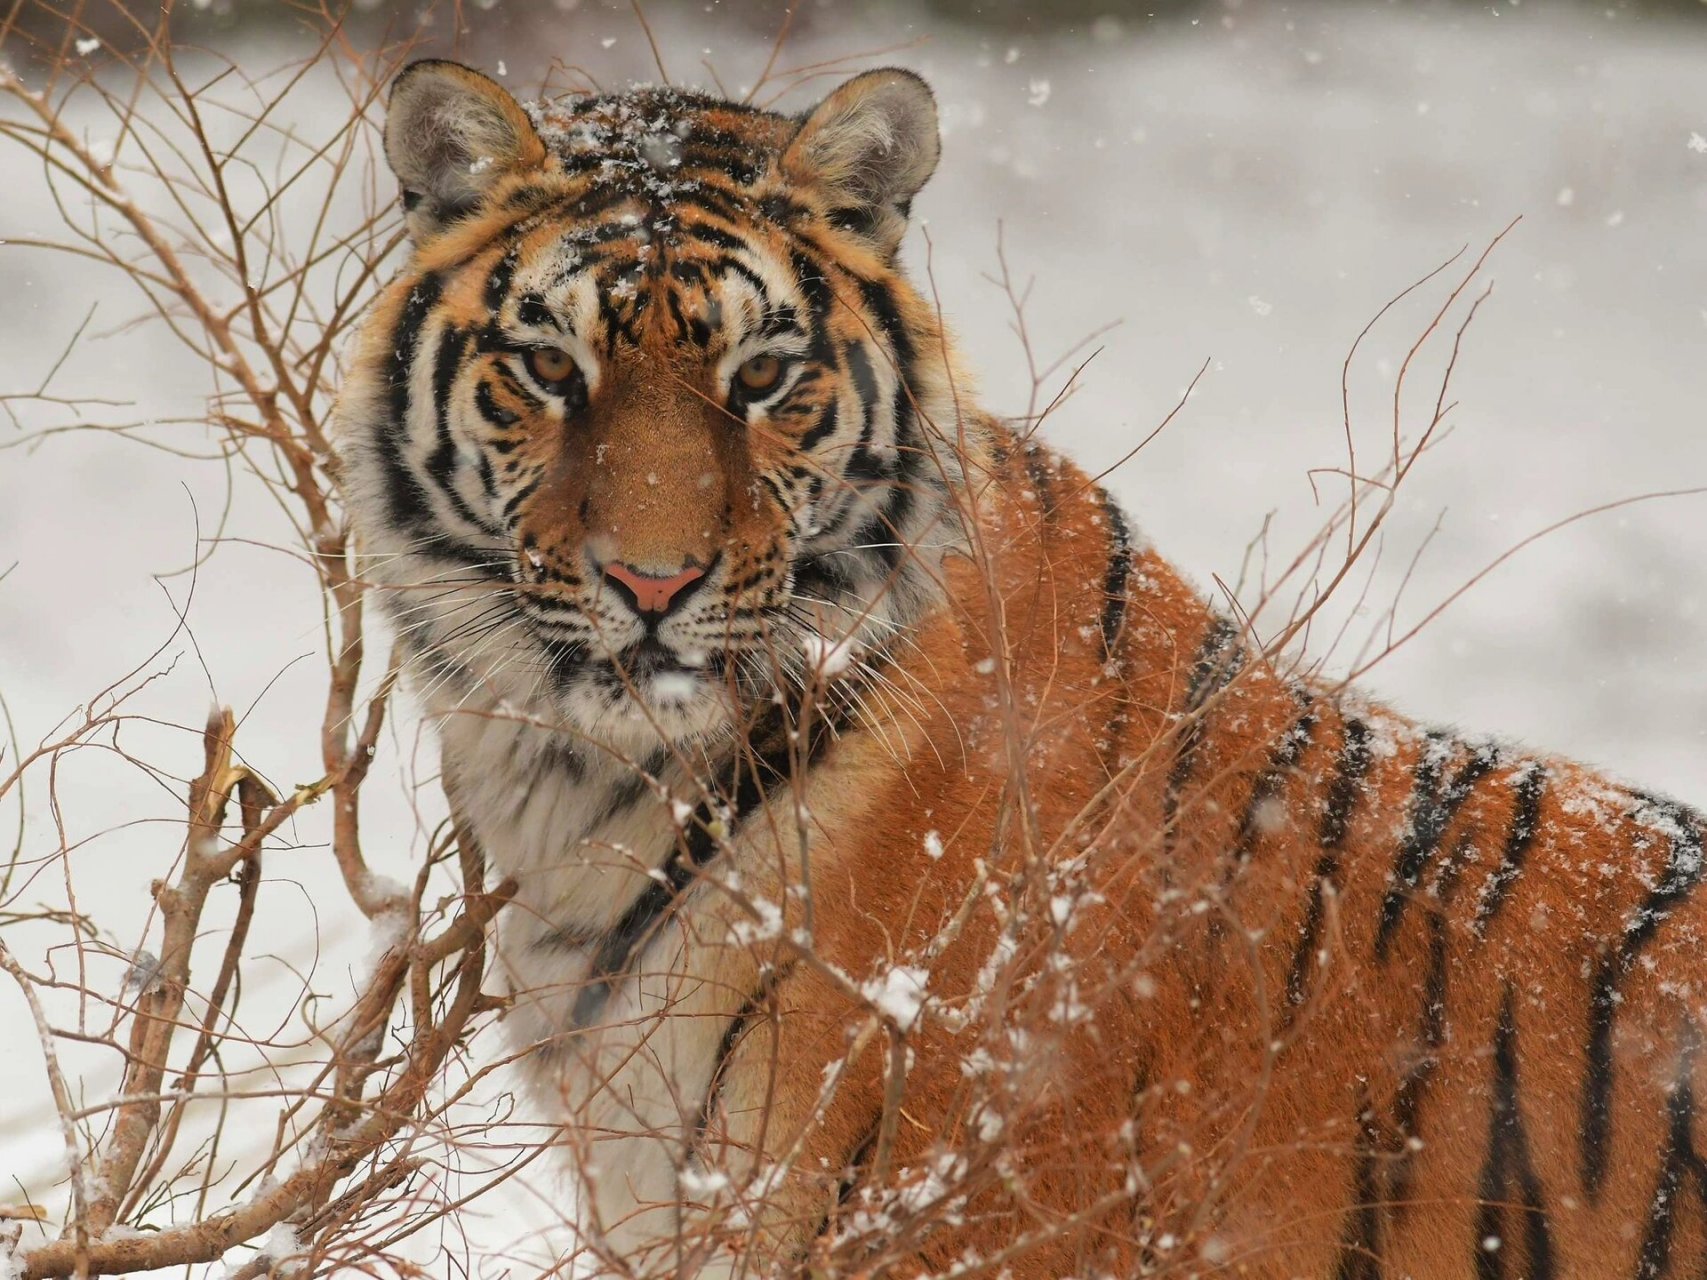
(255, 248)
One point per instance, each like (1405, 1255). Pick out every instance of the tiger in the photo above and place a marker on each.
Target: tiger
(912, 872)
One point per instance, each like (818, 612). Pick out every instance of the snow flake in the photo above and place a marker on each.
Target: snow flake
(382, 888)
(766, 927)
(387, 931)
(900, 994)
(825, 656)
(284, 1248)
(702, 1184)
(674, 686)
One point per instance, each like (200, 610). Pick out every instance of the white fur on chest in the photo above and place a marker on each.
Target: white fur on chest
(584, 836)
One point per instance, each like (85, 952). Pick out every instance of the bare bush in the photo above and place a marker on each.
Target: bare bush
(255, 248)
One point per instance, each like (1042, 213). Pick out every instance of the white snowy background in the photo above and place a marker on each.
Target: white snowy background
(1243, 184)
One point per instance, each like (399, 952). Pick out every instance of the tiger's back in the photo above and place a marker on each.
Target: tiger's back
(914, 874)
(1346, 997)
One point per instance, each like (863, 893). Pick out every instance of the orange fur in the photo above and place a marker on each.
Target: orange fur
(1268, 1131)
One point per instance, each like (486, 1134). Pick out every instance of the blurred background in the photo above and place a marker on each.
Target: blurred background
(1242, 184)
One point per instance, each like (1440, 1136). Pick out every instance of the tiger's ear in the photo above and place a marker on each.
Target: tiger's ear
(450, 134)
(870, 146)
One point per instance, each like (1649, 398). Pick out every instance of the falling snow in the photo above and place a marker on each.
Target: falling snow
(829, 658)
(899, 994)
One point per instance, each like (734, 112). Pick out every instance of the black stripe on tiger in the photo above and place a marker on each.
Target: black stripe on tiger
(531, 310)
(1219, 660)
(854, 1169)
(513, 504)
(1350, 770)
(1682, 873)
(1037, 470)
(810, 277)
(1432, 810)
(1681, 1162)
(1431, 1029)
(1111, 626)
(1265, 795)
(1509, 1183)
(735, 267)
(495, 416)
(1525, 822)
(445, 460)
(880, 300)
(743, 1019)
(1271, 782)
(404, 493)
(626, 792)
(865, 384)
(712, 234)
(1360, 1238)
(821, 429)
(884, 535)
(498, 282)
(1116, 578)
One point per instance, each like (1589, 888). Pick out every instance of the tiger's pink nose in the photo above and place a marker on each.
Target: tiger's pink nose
(649, 593)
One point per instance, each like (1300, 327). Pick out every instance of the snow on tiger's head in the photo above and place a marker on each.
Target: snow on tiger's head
(650, 422)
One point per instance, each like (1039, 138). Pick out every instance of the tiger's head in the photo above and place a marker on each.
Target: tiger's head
(650, 426)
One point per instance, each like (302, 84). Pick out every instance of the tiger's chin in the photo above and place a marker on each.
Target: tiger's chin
(636, 706)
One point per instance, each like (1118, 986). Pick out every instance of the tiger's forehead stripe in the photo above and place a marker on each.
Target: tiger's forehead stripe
(549, 275)
(661, 168)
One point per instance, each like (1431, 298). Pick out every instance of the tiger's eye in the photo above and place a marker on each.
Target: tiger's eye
(759, 374)
(548, 364)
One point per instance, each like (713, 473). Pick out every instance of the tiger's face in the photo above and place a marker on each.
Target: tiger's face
(650, 427)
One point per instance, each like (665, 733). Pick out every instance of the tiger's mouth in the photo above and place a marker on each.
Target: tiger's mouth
(651, 678)
(637, 664)
(651, 666)
(688, 674)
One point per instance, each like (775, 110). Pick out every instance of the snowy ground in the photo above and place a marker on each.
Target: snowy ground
(1248, 189)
